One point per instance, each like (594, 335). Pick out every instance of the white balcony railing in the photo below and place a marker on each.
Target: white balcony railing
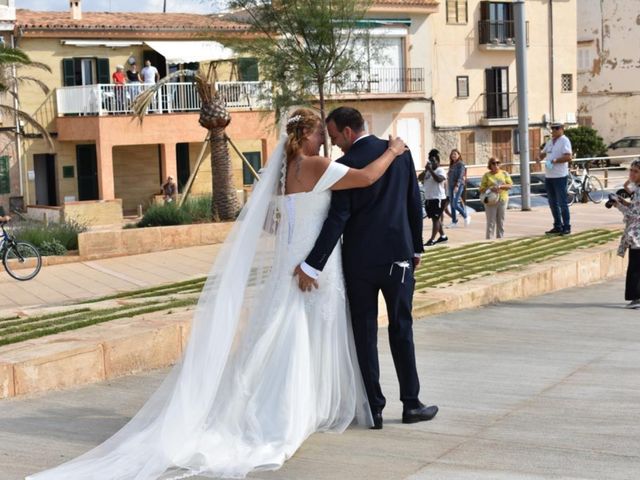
(107, 99)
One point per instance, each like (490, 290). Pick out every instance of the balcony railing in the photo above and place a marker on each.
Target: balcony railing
(106, 99)
(380, 81)
(500, 105)
(498, 33)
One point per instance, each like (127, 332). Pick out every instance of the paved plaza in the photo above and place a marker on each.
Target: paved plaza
(547, 388)
(73, 282)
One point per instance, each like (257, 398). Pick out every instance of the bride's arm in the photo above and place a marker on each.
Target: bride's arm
(367, 176)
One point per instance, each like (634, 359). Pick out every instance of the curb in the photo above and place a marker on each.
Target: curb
(127, 346)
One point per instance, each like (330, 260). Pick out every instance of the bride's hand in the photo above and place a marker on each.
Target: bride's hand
(397, 145)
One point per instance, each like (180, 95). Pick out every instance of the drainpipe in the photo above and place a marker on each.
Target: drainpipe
(16, 106)
(551, 65)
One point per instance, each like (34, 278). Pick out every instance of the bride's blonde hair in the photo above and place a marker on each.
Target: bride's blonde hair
(301, 123)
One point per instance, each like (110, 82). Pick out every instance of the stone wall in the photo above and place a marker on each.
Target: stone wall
(94, 212)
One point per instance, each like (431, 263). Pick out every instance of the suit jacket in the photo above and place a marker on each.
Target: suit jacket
(380, 224)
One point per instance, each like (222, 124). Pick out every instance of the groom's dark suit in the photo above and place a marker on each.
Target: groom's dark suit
(380, 225)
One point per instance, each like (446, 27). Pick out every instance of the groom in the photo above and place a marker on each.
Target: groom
(381, 228)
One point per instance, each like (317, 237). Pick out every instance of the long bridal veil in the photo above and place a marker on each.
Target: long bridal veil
(165, 438)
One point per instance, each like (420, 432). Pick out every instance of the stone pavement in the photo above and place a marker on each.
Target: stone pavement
(546, 388)
(72, 282)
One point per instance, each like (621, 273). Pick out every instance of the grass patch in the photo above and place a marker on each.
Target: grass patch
(441, 266)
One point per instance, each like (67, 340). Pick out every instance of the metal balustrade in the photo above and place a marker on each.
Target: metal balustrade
(111, 99)
(380, 80)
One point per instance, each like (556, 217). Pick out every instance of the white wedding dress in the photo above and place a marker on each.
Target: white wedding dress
(266, 365)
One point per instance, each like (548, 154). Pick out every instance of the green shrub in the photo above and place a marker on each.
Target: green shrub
(586, 142)
(198, 208)
(36, 233)
(164, 215)
(52, 247)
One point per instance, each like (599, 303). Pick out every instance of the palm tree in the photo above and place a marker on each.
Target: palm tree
(12, 62)
(215, 117)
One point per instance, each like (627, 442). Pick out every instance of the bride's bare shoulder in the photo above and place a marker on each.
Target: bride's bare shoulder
(317, 165)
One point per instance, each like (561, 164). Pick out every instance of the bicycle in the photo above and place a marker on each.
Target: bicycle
(15, 254)
(585, 183)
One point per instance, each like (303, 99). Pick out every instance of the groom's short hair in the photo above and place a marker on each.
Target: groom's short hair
(346, 117)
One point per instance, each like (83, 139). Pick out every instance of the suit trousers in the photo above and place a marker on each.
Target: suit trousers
(397, 285)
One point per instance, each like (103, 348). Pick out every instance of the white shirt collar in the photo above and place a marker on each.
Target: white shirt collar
(360, 138)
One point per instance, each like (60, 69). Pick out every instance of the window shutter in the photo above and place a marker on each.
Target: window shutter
(102, 68)
(5, 179)
(451, 11)
(248, 68)
(68, 72)
(461, 11)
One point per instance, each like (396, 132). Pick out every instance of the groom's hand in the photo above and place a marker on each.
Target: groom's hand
(305, 282)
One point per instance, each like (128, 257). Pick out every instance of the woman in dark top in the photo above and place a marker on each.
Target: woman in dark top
(455, 182)
(133, 76)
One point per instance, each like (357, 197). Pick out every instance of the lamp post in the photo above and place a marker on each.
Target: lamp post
(523, 109)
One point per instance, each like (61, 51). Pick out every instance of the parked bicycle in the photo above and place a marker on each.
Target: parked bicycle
(578, 186)
(21, 260)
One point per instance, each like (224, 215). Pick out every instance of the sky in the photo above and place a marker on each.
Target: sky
(190, 6)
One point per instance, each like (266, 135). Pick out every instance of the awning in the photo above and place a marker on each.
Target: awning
(191, 51)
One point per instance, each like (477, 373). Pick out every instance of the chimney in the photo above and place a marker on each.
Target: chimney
(76, 9)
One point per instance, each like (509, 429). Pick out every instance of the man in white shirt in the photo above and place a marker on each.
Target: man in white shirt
(557, 154)
(149, 73)
(435, 196)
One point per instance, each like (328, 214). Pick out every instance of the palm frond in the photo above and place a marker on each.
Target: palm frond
(19, 80)
(24, 116)
(143, 101)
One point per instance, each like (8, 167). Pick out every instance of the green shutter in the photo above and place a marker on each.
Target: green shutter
(5, 178)
(248, 69)
(254, 158)
(68, 72)
(102, 67)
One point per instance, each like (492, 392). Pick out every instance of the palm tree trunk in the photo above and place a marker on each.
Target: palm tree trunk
(225, 204)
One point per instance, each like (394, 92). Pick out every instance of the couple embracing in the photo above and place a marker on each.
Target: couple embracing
(284, 337)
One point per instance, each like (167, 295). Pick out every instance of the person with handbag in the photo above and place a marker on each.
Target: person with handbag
(494, 194)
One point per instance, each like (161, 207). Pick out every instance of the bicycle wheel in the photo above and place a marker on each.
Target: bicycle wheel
(571, 191)
(22, 261)
(594, 189)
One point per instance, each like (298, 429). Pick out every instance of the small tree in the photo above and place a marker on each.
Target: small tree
(303, 46)
(586, 142)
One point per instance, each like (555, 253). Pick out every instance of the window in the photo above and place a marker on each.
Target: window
(566, 81)
(462, 86)
(498, 99)
(457, 11)
(468, 147)
(85, 71)
(5, 179)
(584, 59)
(496, 23)
(255, 159)
(248, 69)
(585, 120)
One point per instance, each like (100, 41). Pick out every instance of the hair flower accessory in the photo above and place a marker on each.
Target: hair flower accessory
(294, 119)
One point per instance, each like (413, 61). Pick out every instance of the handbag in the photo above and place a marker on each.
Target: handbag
(489, 197)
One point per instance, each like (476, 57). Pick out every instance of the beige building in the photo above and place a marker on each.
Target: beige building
(609, 67)
(473, 73)
(9, 165)
(102, 153)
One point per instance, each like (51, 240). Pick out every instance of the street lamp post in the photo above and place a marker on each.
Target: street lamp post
(523, 109)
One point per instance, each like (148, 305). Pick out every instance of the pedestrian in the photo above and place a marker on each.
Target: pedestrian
(133, 76)
(494, 187)
(630, 240)
(434, 193)
(169, 190)
(557, 154)
(150, 73)
(119, 79)
(456, 177)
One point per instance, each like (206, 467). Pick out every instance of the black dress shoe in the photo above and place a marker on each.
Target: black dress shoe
(377, 421)
(554, 231)
(420, 414)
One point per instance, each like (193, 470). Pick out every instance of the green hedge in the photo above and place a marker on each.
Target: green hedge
(194, 210)
(63, 234)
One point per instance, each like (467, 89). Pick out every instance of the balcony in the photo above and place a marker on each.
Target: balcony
(500, 108)
(373, 82)
(498, 34)
(109, 99)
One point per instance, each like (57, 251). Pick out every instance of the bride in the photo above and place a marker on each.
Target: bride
(266, 365)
